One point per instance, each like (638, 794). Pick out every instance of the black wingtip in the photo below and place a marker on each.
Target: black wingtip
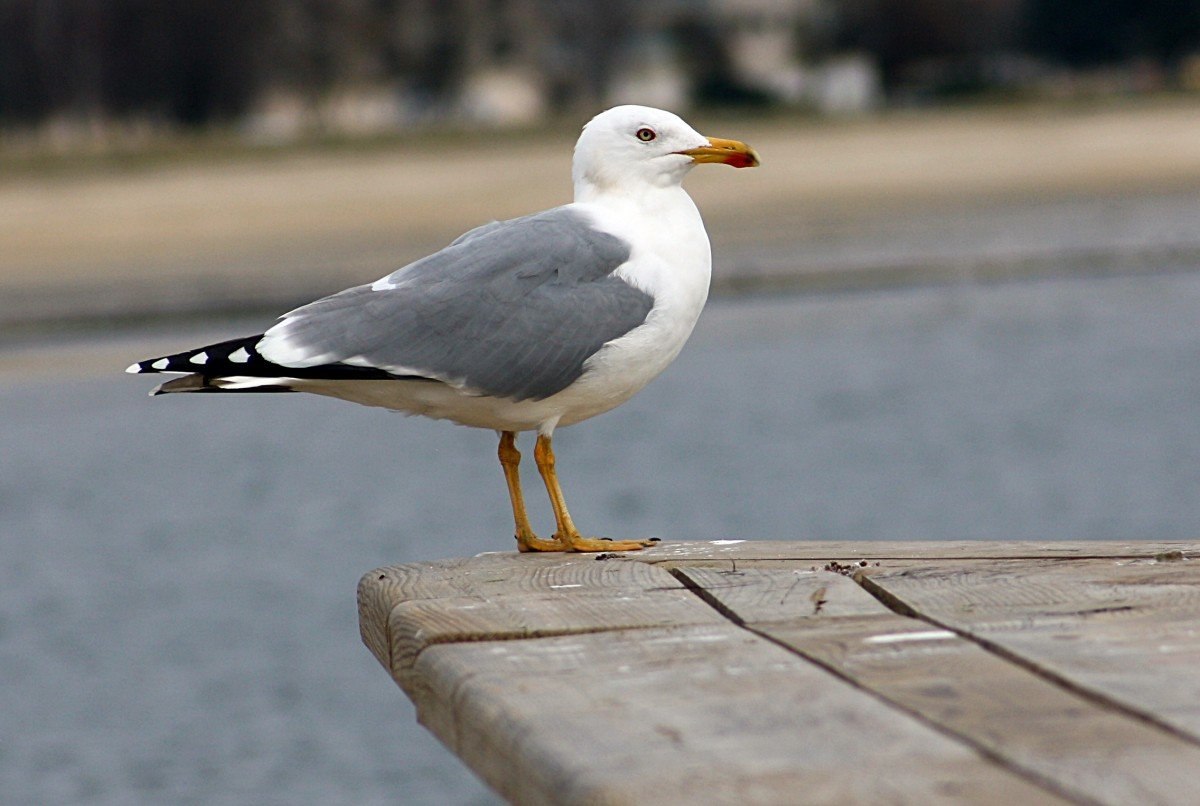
(240, 357)
(225, 358)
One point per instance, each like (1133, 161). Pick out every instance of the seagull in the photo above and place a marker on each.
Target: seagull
(521, 325)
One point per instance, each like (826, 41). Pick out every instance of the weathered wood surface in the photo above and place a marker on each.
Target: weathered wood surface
(1027, 722)
(405, 609)
(1124, 630)
(762, 672)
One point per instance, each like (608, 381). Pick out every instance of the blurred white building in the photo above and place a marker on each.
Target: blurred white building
(511, 61)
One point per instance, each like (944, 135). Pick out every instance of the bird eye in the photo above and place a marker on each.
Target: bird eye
(646, 135)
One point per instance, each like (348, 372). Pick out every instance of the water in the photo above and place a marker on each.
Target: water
(177, 619)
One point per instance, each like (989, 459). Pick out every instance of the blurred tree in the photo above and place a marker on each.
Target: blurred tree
(191, 62)
(420, 45)
(1086, 33)
(707, 61)
(313, 46)
(904, 34)
(187, 62)
(591, 40)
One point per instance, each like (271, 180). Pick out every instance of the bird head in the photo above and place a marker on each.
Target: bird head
(627, 146)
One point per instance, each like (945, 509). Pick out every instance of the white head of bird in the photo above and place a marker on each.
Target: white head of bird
(630, 146)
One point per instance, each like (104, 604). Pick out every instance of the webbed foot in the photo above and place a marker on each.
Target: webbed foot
(581, 543)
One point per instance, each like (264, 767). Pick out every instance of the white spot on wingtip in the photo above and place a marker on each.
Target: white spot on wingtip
(200, 358)
(133, 369)
(161, 363)
(239, 355)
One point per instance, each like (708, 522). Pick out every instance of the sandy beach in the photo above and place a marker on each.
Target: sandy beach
(247, 232)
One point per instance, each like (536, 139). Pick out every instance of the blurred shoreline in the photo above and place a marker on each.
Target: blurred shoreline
(937, 196)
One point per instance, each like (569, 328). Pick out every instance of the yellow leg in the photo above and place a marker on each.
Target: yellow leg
(567, 534)
(510, 460)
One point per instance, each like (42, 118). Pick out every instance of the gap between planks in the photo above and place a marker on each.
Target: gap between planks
(707, 599)
(1045, 782)
(1077, 770)
(893, 602)
(900, 607)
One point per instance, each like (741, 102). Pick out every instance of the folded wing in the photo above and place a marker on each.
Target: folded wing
(512, 309)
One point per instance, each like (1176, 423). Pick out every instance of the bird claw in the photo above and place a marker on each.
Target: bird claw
(532, 542)
(582, 544)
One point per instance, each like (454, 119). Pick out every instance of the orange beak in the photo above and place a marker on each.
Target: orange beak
(730, 152)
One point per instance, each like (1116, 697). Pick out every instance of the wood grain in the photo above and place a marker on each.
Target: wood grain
(848, 551)
(405, 608)
(706, 714)
(1029, 723)
(818, 672)
(756, 595)
(1124, 630)
(413, 626)
(382, 589)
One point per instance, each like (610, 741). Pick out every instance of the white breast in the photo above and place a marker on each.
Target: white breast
(672, 262)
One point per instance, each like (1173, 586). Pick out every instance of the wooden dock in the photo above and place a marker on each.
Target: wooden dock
(788, 672)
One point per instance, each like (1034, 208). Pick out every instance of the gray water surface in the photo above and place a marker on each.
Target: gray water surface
(177, 617)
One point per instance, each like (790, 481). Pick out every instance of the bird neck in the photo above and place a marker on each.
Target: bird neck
(642, 196)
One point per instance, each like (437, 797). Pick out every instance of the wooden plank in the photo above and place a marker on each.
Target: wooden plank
(573, 678)
(382, 589)
(1050, 733)
(848, 551)
(1123, 630)
(406, 608)
(756, 595)
(413, 626)
(705, 714)
(500, 572)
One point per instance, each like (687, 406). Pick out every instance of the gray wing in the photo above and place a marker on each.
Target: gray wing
(512, 309)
